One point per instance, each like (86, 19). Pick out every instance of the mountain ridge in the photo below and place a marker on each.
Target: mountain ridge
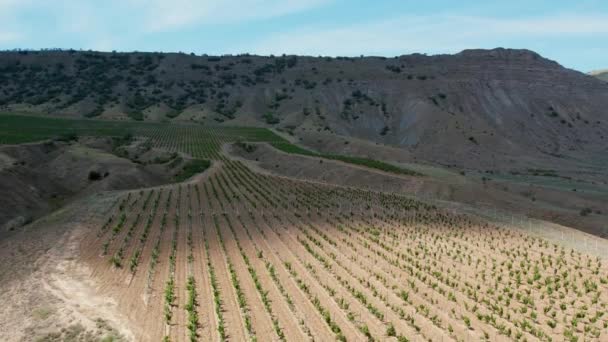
(485, 107)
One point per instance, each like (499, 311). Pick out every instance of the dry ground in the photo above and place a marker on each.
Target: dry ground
(273, 258)
(526, 198)
(47, 292)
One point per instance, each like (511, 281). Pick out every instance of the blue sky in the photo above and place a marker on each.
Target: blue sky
(574, 33)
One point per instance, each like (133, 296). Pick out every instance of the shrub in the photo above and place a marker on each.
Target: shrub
(95, 112)
(136, 115)
(245, 146)
(94, 176)
(115, 261)
(67, 137)
(271, 119)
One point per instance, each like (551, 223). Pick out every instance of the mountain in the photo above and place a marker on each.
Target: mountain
(601, 74)
(480, 108)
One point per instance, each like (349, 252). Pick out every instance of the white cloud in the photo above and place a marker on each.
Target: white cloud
(9, 37)
(93, 22)
(9, 31)
(6, 4)
(137, 24)
(162, 15)
(433, 34)
(550, 25)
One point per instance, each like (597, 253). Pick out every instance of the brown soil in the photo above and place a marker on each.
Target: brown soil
(333, 262)
(545, 203)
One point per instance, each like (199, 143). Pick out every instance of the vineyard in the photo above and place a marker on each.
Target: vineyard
(235, 255)
(196, 140)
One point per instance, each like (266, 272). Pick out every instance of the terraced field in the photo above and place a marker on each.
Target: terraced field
(235, 255)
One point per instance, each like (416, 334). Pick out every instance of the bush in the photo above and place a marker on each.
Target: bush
(136, 115)
(94, 176)
(95, 112)
(67, 137)
(271, 119)
(245, 146)
(126, 139)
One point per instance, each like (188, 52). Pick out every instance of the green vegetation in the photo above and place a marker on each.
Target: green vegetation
(245, 146)
(371, 163)
(388, 267)
(271, 119)
(191, 304)
(67, 137)
(192, 168)
(136, 115)
(16, 129)
(201, 142)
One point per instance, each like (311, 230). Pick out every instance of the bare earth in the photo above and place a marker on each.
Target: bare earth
(275, 258)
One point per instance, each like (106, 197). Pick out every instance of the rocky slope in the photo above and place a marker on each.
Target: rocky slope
(480, 108)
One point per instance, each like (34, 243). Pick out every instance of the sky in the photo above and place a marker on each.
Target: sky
(573, 33)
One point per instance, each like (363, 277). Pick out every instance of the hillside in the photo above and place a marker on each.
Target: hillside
(241, 253)
(274, 242)
(493, 108)
(601, 74)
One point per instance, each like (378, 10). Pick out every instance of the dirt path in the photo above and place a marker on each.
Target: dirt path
(285, 249)
(235, 325)
(305, 311)
(260, 319)
(179, 321)
(208, 320)
(287, 321)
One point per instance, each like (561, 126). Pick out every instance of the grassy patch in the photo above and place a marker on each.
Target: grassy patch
(371, 163)
(192, 168)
